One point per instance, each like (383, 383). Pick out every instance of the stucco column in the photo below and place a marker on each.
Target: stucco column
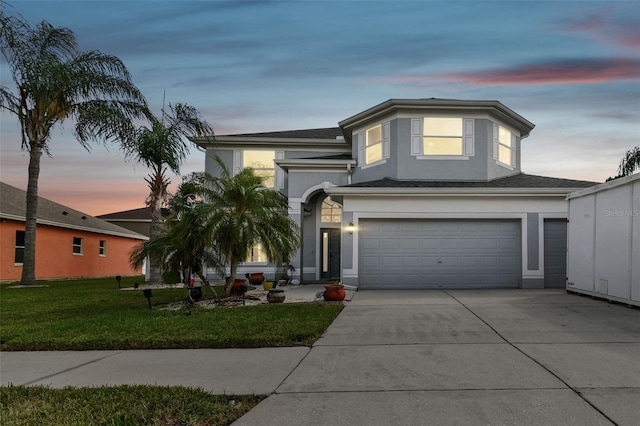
(295, 213)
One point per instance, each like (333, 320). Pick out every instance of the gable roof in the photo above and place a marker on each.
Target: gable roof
(13, 206)
(142, 214)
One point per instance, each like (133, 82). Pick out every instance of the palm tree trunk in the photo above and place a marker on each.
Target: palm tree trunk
(232, 276)
(155, 268)
(29, 262)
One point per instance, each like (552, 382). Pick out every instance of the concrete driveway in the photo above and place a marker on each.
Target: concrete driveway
(526, 357)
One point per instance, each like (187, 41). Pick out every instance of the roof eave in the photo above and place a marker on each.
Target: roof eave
(248, 141)
(392, 105)
(477, 192)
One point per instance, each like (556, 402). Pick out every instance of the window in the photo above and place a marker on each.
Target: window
(103, 248)
(77, 245)
(374, 144)
(504, 147)
(262, 164)
(19, 253)
(257, 254)
(331, 212)
(373, 147)
(442, 137)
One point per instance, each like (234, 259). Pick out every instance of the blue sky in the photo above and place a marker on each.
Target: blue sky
(570, 67)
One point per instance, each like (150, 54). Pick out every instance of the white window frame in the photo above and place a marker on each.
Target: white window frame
(278, 178)
(497, 144)
(80, 246)
(418, 135)
(102, 248)
(361, 138)
(335, 211)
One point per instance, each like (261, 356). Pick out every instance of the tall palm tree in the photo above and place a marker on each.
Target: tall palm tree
(241, 212)
(161, 147)
(54, 81)
(630, 162)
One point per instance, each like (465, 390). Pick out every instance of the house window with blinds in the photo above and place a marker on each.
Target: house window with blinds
(442, 137)
(504, 146)
(374, 145)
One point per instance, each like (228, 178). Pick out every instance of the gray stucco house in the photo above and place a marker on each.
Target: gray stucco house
(413, 193)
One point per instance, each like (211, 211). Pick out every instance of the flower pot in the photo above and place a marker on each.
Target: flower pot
(276, 296)
(237, 288)
(334, 293)
(256, 278)
(267, 285)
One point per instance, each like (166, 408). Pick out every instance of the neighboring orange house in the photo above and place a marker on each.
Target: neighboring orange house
(69, 243)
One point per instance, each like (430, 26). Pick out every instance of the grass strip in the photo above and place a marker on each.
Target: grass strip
(95, 315)
(120, 405)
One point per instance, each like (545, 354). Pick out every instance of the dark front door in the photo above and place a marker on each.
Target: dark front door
(330, 253)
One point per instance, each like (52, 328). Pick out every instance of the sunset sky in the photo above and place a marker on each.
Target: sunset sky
(570, 67)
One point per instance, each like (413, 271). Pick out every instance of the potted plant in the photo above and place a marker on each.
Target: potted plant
(334, 292)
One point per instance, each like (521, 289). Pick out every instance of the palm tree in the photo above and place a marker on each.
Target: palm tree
(54, 81)
(182, 244)
(161, 147)
(241, 212)
(630, 162)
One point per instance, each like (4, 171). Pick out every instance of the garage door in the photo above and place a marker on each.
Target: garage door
(555, 253)
(439, 254)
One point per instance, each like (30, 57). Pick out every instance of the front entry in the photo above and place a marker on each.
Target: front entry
(330, 253)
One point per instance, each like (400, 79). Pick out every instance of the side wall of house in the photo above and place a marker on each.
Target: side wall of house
(55, 257)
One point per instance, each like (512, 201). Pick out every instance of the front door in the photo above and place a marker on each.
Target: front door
(330, 253)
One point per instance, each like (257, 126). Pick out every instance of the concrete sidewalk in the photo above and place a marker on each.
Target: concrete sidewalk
(406, 358)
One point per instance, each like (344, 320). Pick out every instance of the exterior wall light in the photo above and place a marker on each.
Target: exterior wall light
(350, 228)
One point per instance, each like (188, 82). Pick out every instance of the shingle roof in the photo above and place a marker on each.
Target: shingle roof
(143, 213)
(520, 180)
(322, 133)
(331, 157)
(13, 206)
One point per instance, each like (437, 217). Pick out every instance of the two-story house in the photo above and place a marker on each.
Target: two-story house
(413, 193)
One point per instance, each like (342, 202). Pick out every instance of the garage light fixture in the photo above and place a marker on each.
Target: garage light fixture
(350, 228)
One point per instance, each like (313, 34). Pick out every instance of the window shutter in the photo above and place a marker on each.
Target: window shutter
(279, 180)
(416, 136)
(237, 162)
(360, 137)
(468, 136)
(386, 140)
(513, 150)
(496, 131)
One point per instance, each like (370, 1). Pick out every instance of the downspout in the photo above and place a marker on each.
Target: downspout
(349, 173)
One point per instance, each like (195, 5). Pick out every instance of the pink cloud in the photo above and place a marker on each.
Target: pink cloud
(589, 71)
(622, 33)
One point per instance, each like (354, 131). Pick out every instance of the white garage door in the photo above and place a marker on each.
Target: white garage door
(439, 254)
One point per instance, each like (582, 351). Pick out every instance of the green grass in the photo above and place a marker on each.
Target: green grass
(119, 405)
(94, 314)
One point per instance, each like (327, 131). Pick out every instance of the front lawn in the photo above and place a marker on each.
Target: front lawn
(120, 405)
(94, 314)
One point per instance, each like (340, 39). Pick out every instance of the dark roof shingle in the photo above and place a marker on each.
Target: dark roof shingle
(13, 206)
(520, 180)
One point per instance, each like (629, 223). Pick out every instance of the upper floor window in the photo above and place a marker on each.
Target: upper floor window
(262, 164)
(77, 245)
(442, 137)
(19, 253)
(504, 148)
(374, 144)
(331, 212)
